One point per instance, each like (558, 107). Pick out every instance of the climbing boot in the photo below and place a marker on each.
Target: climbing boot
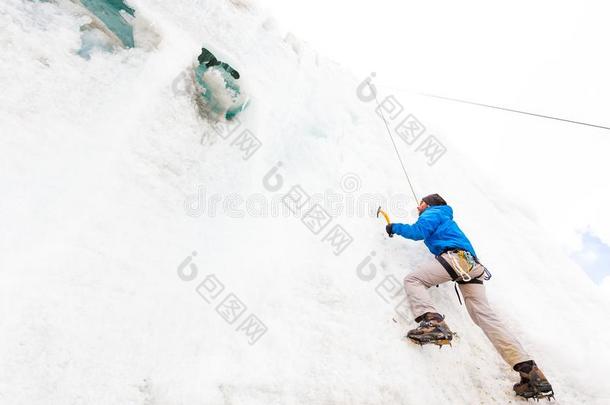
(533, 383)
(432, 329)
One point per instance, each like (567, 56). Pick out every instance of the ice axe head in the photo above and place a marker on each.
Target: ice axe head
(385, 215)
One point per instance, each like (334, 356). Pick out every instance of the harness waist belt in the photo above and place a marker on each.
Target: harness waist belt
(454, 276)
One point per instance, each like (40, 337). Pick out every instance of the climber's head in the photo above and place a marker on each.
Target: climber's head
(422, 207)
(430, 201)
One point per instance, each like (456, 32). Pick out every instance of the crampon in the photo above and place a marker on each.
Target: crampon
(533, 383)
(431, 330)
(440, 342)
(537, 395)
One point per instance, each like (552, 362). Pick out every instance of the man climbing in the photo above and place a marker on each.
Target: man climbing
(456, 260)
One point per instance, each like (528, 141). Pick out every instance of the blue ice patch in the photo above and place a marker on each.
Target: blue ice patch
(213, 100)
(110, 12)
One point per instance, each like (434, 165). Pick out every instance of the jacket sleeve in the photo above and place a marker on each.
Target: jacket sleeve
(424, 227)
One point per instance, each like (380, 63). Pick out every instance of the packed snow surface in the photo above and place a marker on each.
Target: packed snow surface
(149, 256)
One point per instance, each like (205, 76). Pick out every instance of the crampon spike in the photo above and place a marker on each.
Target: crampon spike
(539, 395)
(439, 342)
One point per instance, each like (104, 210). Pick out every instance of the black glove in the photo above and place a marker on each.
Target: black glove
(388, 229)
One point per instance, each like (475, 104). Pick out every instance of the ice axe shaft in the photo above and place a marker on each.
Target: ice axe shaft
(385, 215)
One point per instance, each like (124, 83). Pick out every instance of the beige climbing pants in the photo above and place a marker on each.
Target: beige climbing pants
(432, 274)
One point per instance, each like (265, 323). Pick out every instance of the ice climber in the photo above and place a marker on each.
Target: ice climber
(457, 261)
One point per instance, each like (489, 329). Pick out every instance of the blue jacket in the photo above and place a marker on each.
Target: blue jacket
(438, 230)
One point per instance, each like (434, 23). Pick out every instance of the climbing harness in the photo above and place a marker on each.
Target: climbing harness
(459, 264)
(459, 260)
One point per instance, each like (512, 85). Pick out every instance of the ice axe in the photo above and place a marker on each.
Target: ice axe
(385, 215)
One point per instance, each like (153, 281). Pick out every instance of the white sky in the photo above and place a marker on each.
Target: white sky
(548, 57)
(545, 54)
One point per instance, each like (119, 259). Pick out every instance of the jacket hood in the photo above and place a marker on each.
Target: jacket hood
(444, 210)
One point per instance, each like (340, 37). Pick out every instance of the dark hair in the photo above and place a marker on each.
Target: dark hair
(434, 199)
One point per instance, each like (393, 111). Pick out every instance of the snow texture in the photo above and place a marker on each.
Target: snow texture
(100, 160)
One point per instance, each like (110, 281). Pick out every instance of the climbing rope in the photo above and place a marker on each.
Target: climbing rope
(394, 144)
(550, 117)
